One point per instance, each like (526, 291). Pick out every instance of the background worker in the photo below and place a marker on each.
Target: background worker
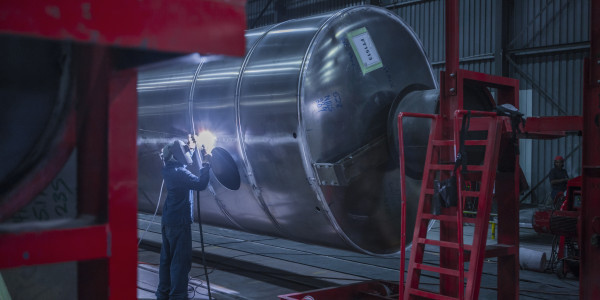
(558, 177)
(182, 173)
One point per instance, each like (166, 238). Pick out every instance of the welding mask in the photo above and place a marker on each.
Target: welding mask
(180, 152)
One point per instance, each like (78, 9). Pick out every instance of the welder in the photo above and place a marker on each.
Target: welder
(184, 170)
(558, 177)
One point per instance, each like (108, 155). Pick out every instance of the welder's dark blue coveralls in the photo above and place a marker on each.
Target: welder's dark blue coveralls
(176, 251)
(558, 173)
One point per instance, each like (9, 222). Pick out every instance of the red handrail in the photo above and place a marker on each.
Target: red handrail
(403, 191)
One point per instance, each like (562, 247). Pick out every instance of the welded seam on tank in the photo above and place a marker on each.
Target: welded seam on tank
(191, 95)
(305, 150)
(249, 171)
(193, 130)
(310, 173)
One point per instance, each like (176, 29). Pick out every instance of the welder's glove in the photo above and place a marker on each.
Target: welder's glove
(195, 166)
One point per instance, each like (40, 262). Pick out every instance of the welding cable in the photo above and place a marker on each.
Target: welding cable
(199, 293)
(153, 216)
(194, 289)
(287, 276)
(202, 244)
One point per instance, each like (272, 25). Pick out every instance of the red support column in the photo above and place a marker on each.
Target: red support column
(450, 97)
(589, 233)
(507, 196)
(450, 101)
(93, 66)
(122, 185)
(452, 38)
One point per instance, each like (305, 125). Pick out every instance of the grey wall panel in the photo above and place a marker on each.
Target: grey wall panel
(427, 20)
(542, 23)
(547, 44)
(476, 30)
(483, 66)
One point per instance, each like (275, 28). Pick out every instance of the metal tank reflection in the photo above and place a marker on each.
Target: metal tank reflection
(304, 142)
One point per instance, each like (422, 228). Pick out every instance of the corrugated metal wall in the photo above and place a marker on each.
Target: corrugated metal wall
(477, 26)
(548, 40)
(540, 42)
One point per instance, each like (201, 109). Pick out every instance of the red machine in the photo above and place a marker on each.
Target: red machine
(561, 221)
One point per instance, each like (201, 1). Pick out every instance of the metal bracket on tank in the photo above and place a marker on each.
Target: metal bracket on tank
(342, 172)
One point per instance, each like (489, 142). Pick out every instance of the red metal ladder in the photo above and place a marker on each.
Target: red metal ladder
(439, 164)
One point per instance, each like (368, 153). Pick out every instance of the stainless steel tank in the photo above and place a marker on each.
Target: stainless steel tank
(302, 128)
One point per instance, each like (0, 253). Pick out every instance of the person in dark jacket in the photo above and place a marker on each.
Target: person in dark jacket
(558, 177)
(176, 250)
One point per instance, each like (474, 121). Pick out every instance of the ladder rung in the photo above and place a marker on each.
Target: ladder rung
(470, 193)
(429, 295)
(447, 218)
(478, 168)
(438, 243)
(441, 167)
(464, 193)
(435, 269)
(443, 142)
(476, 142)
(436, 166)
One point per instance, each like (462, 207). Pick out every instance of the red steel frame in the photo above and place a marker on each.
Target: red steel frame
(403, 192)
(545, 127)
(507, 188)
(104, 127)
(149, 25)
(507, 183)
(206, 26)
(115, 240)
(589, 233)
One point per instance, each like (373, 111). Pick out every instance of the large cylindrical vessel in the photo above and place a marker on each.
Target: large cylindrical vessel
(302, 120)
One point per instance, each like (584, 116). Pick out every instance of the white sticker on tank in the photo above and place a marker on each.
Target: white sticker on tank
(365, 50)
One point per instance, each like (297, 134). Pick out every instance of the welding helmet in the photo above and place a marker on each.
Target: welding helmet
(165, 153)
(179, 151)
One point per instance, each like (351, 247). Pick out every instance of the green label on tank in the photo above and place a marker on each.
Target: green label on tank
(365, 50)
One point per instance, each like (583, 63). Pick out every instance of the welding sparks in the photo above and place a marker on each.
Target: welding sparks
(207, 139)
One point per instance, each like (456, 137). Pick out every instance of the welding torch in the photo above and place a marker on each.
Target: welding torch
(204, 156)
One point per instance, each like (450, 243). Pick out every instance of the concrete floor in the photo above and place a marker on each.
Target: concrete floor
(250, 266)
